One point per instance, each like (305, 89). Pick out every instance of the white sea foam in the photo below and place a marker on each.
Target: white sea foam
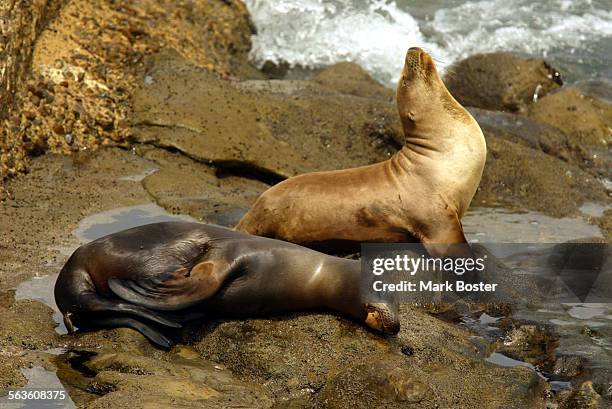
(314, 33)
(523, 26)
(376, 33)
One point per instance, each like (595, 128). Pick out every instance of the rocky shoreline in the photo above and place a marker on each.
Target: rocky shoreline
(157, 103)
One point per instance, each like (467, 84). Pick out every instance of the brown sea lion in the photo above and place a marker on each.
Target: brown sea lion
(161, 274)
(420, 193)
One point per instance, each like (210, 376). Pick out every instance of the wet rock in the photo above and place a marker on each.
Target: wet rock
(519, 177)
(350, 78)
(584, 397)
(543, 135)
(187, 382)
(569, 366)
(586, 120)
(501, 81)
(275, 134)
(275, 70)
(185, 186)
(323, 361)
(24, 326)
(37, 332)
(599, 88)
(525, 131)
(529, 343)
(382, 385)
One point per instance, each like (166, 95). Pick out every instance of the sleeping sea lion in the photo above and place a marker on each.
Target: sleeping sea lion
(161, 274)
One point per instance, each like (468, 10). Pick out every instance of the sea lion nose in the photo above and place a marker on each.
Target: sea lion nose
(414, 57)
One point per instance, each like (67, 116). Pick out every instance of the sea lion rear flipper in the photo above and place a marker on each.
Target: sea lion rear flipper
(177, 290)
(152, 334)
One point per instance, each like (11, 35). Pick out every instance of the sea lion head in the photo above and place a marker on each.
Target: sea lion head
(383, 317)
(421, 94)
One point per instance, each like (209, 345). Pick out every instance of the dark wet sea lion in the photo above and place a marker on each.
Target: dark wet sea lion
(420, 193)
(153, 274)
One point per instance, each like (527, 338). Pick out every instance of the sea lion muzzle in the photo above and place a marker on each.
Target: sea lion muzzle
(383, 317)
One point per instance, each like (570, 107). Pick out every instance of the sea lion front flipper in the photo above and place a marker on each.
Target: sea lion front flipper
(177, 290)
(448, 240)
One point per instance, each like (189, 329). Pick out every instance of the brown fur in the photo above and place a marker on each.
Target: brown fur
(419, 193)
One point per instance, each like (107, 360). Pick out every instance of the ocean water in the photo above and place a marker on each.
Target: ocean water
(574, 36)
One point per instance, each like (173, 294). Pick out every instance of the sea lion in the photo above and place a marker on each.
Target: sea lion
(420, 193)
(164, 273)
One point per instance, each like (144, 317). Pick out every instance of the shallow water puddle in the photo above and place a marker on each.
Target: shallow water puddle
(507, 362)
(502, 360)
(90, 228)
(586, 311)
(482, 325)
(104, 223)
(493, 225)
(581, 329)
(41, 289)
(40, 380)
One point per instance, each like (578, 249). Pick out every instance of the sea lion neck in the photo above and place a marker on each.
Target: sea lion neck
(336, 280)
(438, 129)
(431, 118)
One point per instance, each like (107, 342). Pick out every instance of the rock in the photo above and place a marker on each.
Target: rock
(123, 379)
(599, 88)
(569, 366)
(350, 78)
(187, 187)
(584, 397)
(38, 332)
(20, 25)
(24, 326)
(525, 131)
(501, 81)
(529, 343)
(59, 129)
(522, 178)
(544, 136)
(586, 120)
(382, 384)
(318, 360)
(265, 135)
(605, 224)
(80, 66)
(275, 70)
